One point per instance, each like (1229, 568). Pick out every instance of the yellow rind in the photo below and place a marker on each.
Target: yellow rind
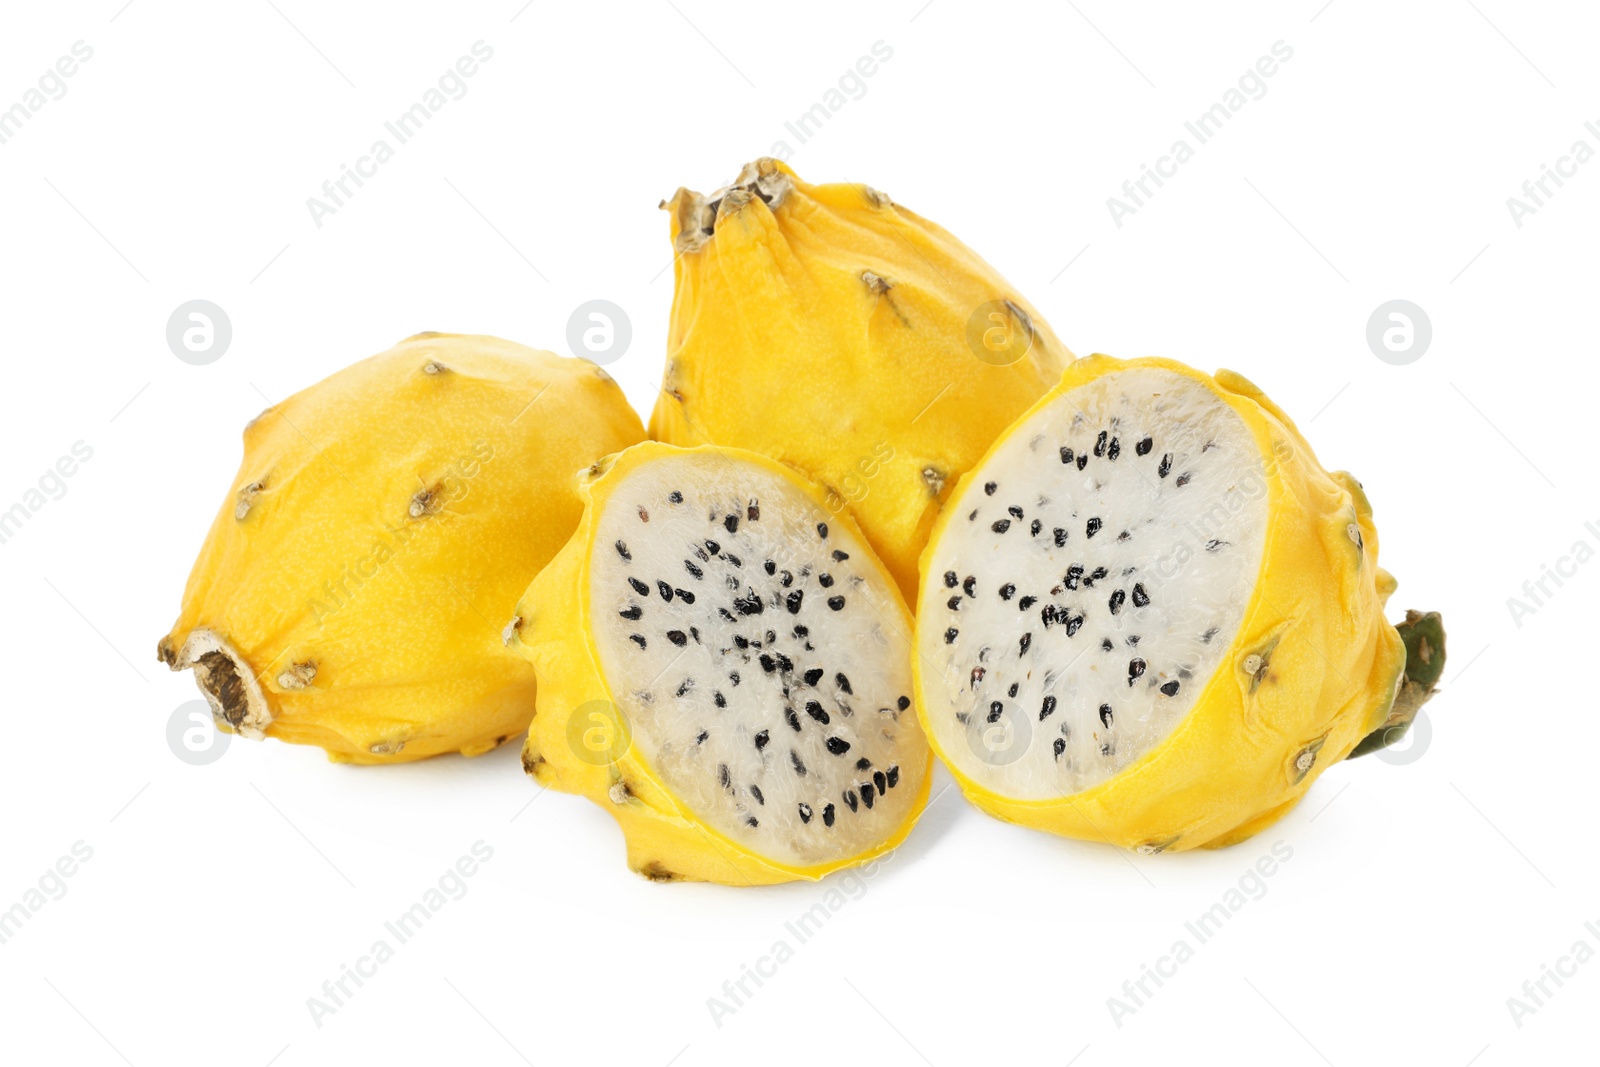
(665, 840)
(1228, 770)
(777, 344)
(405, 650)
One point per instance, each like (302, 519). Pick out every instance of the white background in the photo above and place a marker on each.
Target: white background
(219, 898)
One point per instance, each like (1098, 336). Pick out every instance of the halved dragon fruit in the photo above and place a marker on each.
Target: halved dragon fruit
(725, 665)
(1149, 615)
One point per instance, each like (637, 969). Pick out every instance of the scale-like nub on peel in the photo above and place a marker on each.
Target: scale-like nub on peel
(1149, 616)
(838, 332)
(377, 520)
(725, 667)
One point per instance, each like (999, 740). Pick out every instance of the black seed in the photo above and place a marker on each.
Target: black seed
(822, 530)
(731, 523)
(792, 601)
(1170, 689)
(1013, 690)
(1092, 527)
(840, 557)
(1135, 669)
(786, 579)
(723, 776)
(827, 815)
(1066, 455)
(1184, 478)
(950, 635)
(768, 664)
(850, 799)
(1016, 512)
(973, 514)
(950, 579)
(881, 782)
(639, 587)
(996, 709)
(1073, 624)
(686, 596)
(750, 820)
(1047, 709)
(733, 676)
(637, 639)
(692, 569)
(903, 703)
(1213, 544)
(713, 548)
(1114, 449)
(1034, 527)
(1007, 591)
(1105, 644)
(977, 676)
(1105, 714)
(813, 676)
(677, 637)
(1099, 573)
(1027, 602)
(675, 496)
(753, 512)
(817, 712)
(761, 739)
(894, 776)
(805, 812)
(665, 591)
(755, 791)
(843, 682)
(731, 558)
(825, 580)
(1143, 447)
(792, 719)
(794, 761)
(1074, 572)
(1100, 444)
(1000, 526)
(1024, 644)
(970, 586)
(838, 746)
(1206, 637)
(749, 604)
(836, 603)
(685, 685)
(801, 630)
(1059, 747)
(953, 603)
(1116, 601)
(867, 792)
(633, 614)
(1047, 615)
(1083, 460)
(1140, 597)
(990, 487)
(863, 764)
(1105, 750)
(740, 641)
(771, 567)
(701, 553)
(1166, 465)
(622, 550)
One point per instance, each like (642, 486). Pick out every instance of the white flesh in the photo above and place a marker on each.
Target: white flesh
(1192, 546)
(866, 640)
